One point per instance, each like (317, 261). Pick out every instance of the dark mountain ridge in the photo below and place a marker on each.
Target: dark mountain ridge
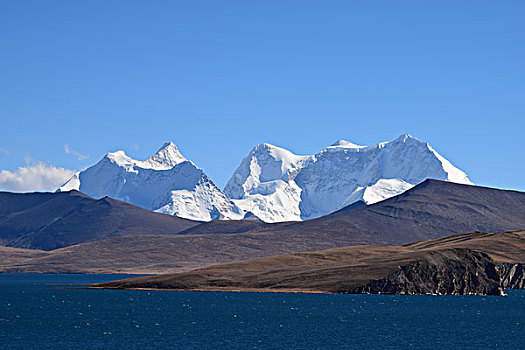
(431, 209)
(49, 221)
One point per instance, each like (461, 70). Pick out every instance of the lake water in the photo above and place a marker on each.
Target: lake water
(34, 314)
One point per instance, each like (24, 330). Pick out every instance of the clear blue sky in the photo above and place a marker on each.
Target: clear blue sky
(218, 77)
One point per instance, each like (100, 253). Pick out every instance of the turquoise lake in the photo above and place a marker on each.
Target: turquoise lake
(36, 313)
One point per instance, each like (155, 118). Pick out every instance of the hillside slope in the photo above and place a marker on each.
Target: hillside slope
(459, 264)
(49, 221)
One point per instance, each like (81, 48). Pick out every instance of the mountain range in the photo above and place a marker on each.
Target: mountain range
(277, 185)
(389, 225)
(271, 184)
(71, 232)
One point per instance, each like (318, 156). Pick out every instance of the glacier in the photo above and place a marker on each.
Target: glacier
(276, 185)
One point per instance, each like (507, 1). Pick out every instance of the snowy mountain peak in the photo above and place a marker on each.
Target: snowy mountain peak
(345, 144)
(166, 157)
(263, 183)
(406, 137)
(271, 183)
(165, 182)
(119, 157)
(277, 185)
(264, 164)
(263, 146)
(266, 152)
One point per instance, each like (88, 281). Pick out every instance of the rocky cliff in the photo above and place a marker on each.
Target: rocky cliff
(452, 272)
(512, 275)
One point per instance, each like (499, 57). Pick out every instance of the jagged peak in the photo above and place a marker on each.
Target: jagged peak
(168, 146)
(400, 140)
(345, 144)
(276, 152)
(119, 157)
(405, 138)
(166, 157)
(265, 147)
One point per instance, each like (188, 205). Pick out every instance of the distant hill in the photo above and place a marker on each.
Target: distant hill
(49, 221)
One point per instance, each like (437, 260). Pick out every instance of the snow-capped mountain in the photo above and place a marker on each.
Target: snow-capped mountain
(264, 183)
(277, 185)
(166, 183)
(271, 183)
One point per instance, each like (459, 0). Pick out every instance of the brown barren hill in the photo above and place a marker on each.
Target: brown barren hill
(462, 264)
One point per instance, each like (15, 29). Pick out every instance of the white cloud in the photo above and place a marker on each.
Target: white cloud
(4, 151)
(75, 153)
(35, 176)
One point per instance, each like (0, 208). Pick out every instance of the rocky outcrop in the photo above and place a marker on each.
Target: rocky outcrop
(452, 272)
(512, 275)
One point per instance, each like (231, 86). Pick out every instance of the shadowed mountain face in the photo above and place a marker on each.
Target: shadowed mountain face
(431, 209)
(49, 221)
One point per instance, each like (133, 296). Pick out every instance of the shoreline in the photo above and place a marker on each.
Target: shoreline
(237, 290)
(287, 291)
